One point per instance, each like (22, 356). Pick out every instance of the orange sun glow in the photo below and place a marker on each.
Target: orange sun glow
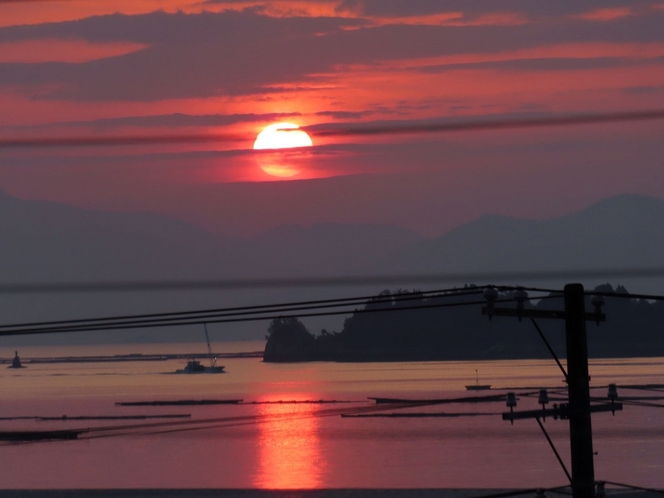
(280, 136)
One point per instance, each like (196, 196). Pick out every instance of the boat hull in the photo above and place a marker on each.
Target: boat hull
(195, 367)
(208, 370)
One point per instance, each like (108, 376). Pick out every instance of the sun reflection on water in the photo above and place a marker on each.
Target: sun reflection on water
(289, 447)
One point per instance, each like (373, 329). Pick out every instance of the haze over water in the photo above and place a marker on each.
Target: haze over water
(310, 445)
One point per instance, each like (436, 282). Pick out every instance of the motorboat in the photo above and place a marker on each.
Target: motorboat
(194, 366)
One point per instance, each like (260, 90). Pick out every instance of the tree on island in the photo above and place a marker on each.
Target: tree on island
(440, 332)
(288, 340)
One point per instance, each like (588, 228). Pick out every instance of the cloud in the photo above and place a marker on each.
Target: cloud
(175, 120)
(546, 64)
(644, 90)
(180, 28)
(477, 8)
(606, 15)
(188, 56)
(244, 53)
(345, 114)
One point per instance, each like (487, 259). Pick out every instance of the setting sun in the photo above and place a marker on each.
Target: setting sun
(281, 164)
(280, 136)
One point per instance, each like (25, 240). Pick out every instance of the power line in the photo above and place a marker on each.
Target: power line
(639, 488)
(265, 308)
(649, 297)
(266, 312)
(263, 312)
(198, 321)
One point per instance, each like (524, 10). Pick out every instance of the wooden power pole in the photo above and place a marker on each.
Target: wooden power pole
(578, 386)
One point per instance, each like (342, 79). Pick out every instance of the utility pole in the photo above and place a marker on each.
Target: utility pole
(578, 408)
(578, 386)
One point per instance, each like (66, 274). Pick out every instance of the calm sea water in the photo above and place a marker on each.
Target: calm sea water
(282, 445)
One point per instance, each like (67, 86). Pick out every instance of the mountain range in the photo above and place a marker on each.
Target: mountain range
(624, 231)
(50, 242)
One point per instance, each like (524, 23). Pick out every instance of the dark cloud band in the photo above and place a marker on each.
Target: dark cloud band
(355, 280)
(340, 131)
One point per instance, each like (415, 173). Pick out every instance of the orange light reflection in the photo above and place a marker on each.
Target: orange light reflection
(289, 441)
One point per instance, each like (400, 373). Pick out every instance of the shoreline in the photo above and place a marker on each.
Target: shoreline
(130, 357)
(313, 493)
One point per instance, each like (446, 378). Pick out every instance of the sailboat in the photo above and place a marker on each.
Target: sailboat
(195, 366)
(477, 386)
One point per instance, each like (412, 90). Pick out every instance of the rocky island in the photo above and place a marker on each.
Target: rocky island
(633, 328)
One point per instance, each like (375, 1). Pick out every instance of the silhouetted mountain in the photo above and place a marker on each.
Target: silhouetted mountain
(46, 241)
(621, 232)
(327, 248)
(49, 242)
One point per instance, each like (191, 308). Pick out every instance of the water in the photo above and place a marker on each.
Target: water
(310, 445)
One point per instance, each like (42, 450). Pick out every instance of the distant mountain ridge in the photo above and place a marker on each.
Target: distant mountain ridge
(620, 232)
(50, 242)
(44, 242)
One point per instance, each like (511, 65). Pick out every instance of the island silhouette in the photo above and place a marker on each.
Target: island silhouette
(633, 328)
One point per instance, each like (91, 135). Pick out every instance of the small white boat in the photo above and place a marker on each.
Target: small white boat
(477, 386)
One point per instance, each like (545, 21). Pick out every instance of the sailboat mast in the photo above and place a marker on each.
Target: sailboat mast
(207, 338)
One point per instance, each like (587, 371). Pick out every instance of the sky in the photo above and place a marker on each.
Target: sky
(108, 68)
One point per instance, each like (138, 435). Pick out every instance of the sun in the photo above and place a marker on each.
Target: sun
(277, 137)
(280, 136)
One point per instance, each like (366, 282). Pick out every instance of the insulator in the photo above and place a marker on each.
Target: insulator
(490, 294)
(597, 301)
(613, 392)
(510, 401)
(520, 296)
(543, 397)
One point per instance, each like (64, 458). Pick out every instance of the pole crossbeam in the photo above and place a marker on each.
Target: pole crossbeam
(559, 412)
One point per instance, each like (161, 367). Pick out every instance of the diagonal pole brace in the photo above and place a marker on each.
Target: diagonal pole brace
(553, 353)
(555, 451)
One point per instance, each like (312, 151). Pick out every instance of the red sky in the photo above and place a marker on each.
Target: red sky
(119, 67)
